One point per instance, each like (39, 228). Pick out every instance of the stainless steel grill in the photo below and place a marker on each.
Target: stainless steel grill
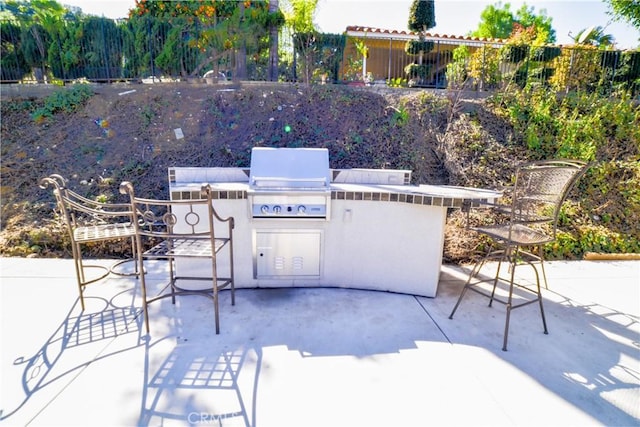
(289, 183)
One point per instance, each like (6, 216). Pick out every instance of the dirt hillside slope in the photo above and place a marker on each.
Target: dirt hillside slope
(135, 132)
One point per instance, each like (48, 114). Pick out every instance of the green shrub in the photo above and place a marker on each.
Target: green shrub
(590, 238)
(603, 212)
(417, 71)
(63, 101)
(414, 47)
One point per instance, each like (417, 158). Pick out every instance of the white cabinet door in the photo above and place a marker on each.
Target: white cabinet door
(287, 253)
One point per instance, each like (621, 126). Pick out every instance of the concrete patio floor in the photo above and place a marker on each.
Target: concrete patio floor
(318, 356)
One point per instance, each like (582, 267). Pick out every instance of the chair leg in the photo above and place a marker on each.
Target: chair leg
(77, 260)
(233, 279)
(81, 285)
(143, 287)
(474, 272)
(81, 269)
(216, 305)
(455, 307)
(544, 273)
(510, 257)
(544, 320)
(509, 303)
(509, 307)
(495, 282)
(135, 255)
(506, 328)
(172, 278)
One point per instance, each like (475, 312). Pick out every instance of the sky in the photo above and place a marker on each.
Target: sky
(453, 17)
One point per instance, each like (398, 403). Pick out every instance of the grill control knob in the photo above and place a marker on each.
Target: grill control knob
(302, 209)
(264, 209)
(277, 209)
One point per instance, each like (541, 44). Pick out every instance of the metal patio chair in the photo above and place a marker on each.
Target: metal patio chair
(87, 222)
(188, 228)
(531, 219)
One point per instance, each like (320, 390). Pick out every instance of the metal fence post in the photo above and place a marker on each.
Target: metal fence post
(438, 65)
(105, 56)
(484, 63)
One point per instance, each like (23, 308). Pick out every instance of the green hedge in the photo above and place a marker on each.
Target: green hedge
(603, 212)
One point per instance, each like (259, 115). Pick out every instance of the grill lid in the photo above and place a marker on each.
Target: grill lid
(289, 168)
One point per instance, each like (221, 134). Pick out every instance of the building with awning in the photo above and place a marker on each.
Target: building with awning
(386, 57)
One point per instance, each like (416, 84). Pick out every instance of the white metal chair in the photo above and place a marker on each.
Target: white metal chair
(538, 193)
(166, 230)
(88, 222)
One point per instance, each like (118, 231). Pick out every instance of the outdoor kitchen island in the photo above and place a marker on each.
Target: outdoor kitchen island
(299, 224)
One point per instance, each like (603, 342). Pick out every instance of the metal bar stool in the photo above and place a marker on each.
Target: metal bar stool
(531, 219)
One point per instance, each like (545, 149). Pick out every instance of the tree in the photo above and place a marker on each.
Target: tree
(86, 47)
(625, 10)
(589, 63)
(527, 55)
(527, 34)
(299, 22)
(541, 23)
(422, 17)
(41, 19)
(594, 36)
(299, 15)
(273, 47)
(13, 65)
(215, 27)
(498, 21)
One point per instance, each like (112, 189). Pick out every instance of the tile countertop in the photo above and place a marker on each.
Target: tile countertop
(215, 186)
(438, 191)
(444, 191)
(235, 182)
